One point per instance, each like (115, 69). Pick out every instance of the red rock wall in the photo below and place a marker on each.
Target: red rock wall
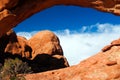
(12, 12)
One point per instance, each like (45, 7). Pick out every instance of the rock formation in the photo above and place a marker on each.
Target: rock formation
(103, 66)
(12, 12)
(45, 42)
(43, 51)
(46, 51)
(10, 43)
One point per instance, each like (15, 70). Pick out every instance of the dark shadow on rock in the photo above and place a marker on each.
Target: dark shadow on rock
(41, 63)
(28, 49)
(45, 62)
(4, 40)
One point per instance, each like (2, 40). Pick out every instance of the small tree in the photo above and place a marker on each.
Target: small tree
(13, 68)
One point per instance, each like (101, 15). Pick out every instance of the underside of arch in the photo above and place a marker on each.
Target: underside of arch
(12, 12)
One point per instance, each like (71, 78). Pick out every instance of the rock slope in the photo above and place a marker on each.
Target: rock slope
(12, 12)
(105, 65)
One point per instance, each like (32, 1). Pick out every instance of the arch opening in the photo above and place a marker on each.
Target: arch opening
(82, 31)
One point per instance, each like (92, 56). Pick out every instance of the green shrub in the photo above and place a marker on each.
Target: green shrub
(14, 69)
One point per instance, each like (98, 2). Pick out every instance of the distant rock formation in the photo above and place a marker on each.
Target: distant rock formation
(43, 51)
(105, 65)
(12, 12)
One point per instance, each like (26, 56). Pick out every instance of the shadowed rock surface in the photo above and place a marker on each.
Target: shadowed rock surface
(12, 12)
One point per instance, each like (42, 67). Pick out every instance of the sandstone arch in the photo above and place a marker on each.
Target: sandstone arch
(12, 12)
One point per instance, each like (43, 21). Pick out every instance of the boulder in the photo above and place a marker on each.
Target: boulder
(47, 53)
(11, 44)
(42, 52)
(45, 42)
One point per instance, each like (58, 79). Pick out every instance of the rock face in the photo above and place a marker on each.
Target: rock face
(11, 44)
(47, 52)
(43, 51)
(12, 12)
(103, 66)
(17, 46)
(45, 42)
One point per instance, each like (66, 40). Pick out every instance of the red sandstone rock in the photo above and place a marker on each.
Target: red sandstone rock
(106, 48)
(45, 42)
(19, 10)
(113, 43)
(47, 51)
(8, 4)
(16, 45)
(43, 51)
(102, 66)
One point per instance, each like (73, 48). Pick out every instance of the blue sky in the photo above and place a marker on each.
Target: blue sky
(82, 31)
(66, 17)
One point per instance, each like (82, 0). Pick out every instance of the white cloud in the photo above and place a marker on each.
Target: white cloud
(27, 35)
(88, 41)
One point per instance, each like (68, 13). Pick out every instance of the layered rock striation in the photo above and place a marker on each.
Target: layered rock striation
(12, 12)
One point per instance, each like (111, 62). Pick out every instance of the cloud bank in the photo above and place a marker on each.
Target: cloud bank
(84, 42)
